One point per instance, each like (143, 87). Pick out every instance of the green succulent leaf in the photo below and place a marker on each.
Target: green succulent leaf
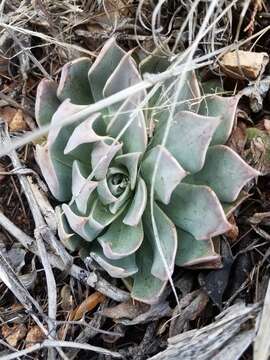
(124, 75)
(104, 192)
(121, 201)
(101, 156)
(70, 239)
(154, 63)
(138, 204)
(81, 187)
(87, 228)
(188, 139)
(192, 252)
(146, 287)
(131, 163)
(47, 102)
(189, 95)
(55, 166)
(225, 107)
(122, 268)
(85, 133)
(74, 84)
(225, 172)
(169, 173)
(167, 238)
(197, 210)
(127, 115)
(121, 240)
(104, 65)
(126, 118)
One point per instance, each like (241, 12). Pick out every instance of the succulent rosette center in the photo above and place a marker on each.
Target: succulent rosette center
(101, 167)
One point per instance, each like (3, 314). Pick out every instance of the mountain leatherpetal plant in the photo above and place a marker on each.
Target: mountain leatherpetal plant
(100, 169)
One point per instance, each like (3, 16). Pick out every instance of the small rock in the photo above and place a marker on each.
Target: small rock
(244, 64)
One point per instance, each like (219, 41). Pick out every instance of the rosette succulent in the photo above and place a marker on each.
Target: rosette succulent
(100, 168)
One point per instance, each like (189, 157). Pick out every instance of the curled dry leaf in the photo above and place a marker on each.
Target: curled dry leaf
(34, 335)
(191, 307)
(244, 64)
(67, 301)
(127, 310)
(13, 334)
(14, 118)
(87, 305)
(238, 138)
(7, 113)
(233, 233)
(155, 312)
(215, 282)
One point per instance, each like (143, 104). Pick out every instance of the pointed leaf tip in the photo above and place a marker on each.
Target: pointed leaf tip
(197, 210)
(190, 148)
(225, 107)
(104, 65)
(225, 172)
(192, 252)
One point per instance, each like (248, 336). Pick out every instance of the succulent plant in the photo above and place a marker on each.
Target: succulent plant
(101, 167)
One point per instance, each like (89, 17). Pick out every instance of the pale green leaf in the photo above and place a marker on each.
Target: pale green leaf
(188, 139)
(121, 240)
(82, 188)
(103, 67)
(169, 173)
(225, 107)
(46, 101)
(116, 268)
(192, 252)
(146, 287)
(84, 133)
(167, 238)
(131, 163)
(138, 204)
(197, 210)
(225, 172)
(70, 239)
(101, 156)
(74, 84)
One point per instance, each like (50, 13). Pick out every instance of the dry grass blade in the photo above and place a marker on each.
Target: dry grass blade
(48, 39)
(88, 278)
(261, 343)
(40, 224)
(66, 344)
